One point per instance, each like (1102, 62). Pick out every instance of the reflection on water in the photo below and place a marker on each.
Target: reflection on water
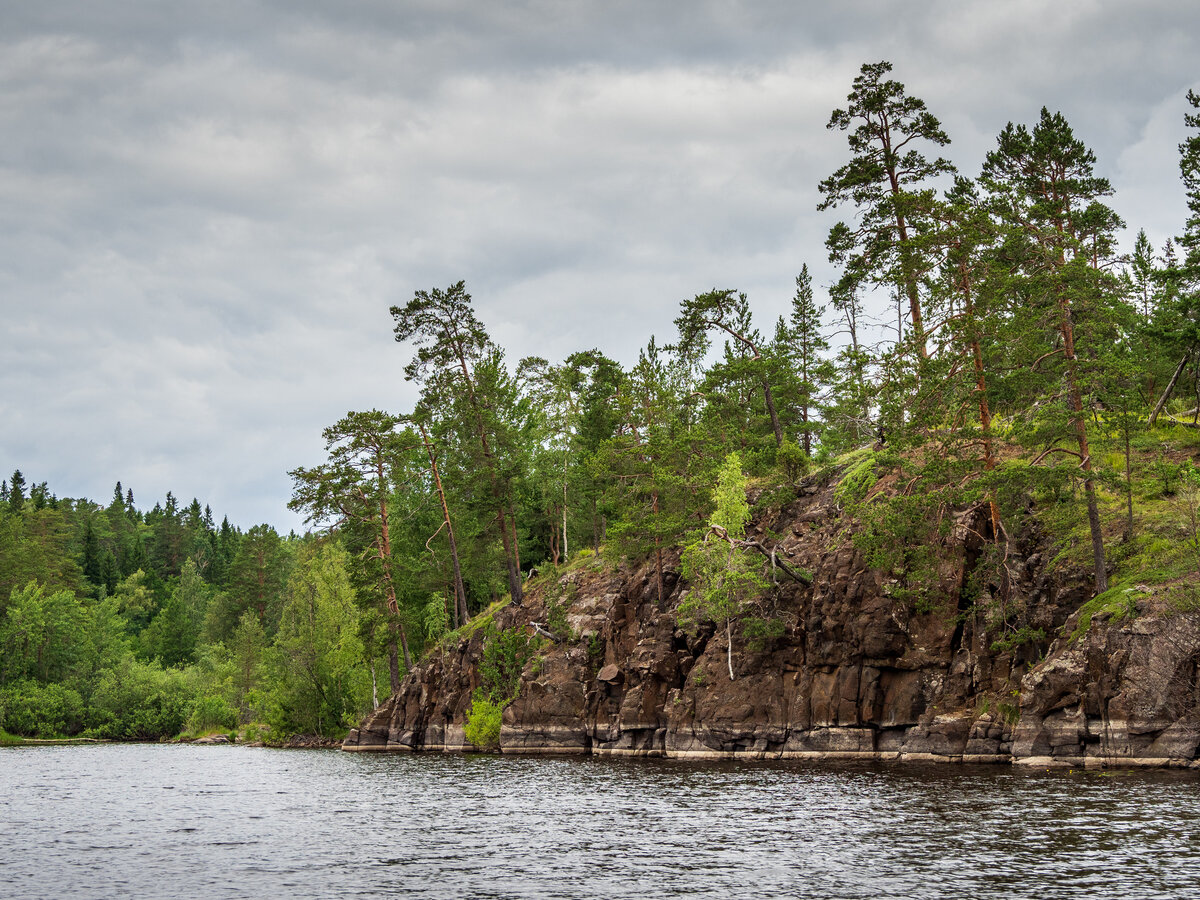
(180, 821)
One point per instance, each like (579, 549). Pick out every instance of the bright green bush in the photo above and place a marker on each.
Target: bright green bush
(140, 701)
(40, 710)
(483, 723)
(792, 459)
(211, 713)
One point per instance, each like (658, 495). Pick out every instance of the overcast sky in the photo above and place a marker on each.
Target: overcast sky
(206, 209)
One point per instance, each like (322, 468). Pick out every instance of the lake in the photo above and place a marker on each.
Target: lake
(189, 821)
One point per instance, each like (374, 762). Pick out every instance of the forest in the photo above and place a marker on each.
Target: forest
(988, 343)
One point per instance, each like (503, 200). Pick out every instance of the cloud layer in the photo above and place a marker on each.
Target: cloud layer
(207, 209)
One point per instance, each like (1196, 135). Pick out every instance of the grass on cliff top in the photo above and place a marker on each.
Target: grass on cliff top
(479, 620)
(546, 577)
(1119, 602)
(585, 559)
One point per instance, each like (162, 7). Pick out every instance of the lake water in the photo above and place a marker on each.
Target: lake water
(210, 822)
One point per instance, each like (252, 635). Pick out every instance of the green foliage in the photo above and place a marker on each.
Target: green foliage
(211, 713)
(482, 728)
(435, 621)
(556, 614)
(248, 652)
(595, 648)
(320, 683)
(505, 653)
(1117, 603)
(859, 475)
(792, 460)
(32, 709)
(732, 511)
(1018, 638)
(723, 575)
(139, 701)
(1189, 504)
(174, 633)
(760, 633)
(40, 635)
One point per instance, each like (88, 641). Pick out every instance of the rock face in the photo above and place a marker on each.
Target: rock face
(846, 667)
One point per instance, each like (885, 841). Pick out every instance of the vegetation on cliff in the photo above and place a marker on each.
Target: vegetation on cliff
(1027, 376)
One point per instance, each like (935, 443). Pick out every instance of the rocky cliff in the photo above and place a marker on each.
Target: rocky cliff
(845, 667)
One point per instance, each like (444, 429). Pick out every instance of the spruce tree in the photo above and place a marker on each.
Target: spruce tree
(16, 492)
(808, 346)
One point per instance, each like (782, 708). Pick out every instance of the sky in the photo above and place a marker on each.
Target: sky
(207, 209)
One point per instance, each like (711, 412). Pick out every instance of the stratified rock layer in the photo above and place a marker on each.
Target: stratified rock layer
(846, 671)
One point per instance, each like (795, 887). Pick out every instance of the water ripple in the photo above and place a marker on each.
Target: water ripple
(114, 821)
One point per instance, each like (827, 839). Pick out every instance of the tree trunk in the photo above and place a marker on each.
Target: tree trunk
(1080, 423)
(384, 547)
(394, 663)
(460, 593)
(514, 575)
(1166, 394)
(565, 552)
(512, 517)
(770, 401)
(910, 279)
(595, 527)
(729, 646)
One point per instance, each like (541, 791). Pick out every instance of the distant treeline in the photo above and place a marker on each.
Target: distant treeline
(141, 625)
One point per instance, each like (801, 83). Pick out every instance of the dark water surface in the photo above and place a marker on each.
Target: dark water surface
(181, 821)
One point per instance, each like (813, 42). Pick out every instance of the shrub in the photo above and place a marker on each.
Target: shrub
(1026, 634)
(483, 723)
(40, 710)
(792, 460)
(211, 713)
(505, 654)
(761, 633)
(140, 701)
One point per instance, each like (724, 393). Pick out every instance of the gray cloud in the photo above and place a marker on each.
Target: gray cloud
(207, 209)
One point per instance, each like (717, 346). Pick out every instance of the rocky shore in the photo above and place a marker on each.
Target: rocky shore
(842, 668)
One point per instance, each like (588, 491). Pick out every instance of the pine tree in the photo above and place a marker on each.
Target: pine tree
(453, 360)
(886, 181)
(1045, 191)
(729, 312)
(356, 488)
